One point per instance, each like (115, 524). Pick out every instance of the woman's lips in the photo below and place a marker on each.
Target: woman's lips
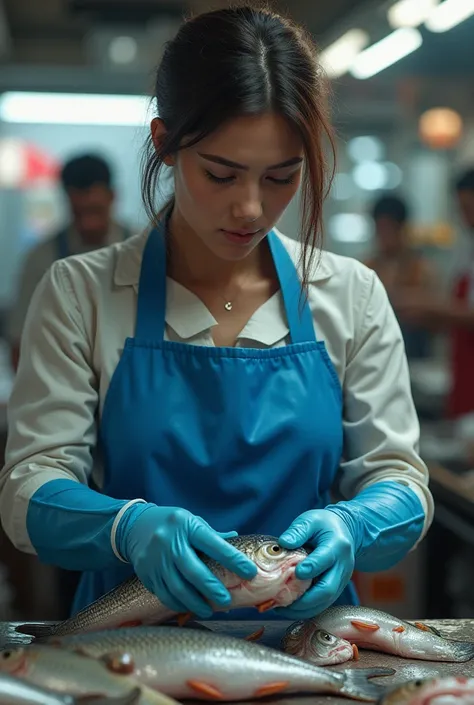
(240, 237)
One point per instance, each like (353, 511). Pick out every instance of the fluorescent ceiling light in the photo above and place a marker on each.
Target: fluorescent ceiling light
(410, 13)
(349, 227)
(449, 14)
(74, 109)
(388, 51)
(338, 57)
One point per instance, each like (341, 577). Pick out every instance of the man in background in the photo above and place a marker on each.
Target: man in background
(400, 267)
(87, 184)
(453, 314)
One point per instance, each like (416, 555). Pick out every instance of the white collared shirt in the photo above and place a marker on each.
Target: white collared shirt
(85, 308)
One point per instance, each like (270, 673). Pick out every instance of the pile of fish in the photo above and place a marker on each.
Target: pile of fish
(110, 655)
(335, 636)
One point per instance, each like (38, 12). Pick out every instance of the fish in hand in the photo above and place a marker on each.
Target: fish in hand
(131, 604)
(74, 674)
(304, 640)
(189, 663)
(373, 629)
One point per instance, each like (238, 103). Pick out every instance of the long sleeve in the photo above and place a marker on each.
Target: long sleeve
(46, 506)
(381, 428)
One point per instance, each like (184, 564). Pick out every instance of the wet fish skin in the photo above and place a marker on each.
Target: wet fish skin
(15, 691)
(131, 603)
(73, 674)
(450, 689)
(319, 647)
(373, 629)
(189, 663)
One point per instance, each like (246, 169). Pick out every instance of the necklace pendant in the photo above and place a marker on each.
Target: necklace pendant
(228, 306)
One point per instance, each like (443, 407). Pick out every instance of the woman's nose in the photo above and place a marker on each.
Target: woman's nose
(249, 206)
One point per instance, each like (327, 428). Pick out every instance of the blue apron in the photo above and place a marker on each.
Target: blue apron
(246, 438)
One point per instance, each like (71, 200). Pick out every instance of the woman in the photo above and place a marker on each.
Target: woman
(221, 369)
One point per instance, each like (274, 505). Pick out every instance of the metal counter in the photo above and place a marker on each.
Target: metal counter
(405, 670)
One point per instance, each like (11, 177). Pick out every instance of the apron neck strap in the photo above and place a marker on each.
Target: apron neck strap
(297, 310)
(151, 307)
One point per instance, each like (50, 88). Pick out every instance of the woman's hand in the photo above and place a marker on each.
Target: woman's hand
(332, 560)
(161, 544)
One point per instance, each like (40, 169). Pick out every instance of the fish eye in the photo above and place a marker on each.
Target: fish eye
(325, 638)
(273, 550)
(8, 654)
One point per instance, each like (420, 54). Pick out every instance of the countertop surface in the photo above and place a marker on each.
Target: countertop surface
(405, 670)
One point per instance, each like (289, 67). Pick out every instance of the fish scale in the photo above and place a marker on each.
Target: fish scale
(189, 663)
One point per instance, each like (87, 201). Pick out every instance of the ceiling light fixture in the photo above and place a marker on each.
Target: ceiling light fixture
(338, 57)
(386, 52)
(410, 13)
(449, 14)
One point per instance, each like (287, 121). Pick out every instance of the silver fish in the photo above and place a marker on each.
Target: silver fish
(15, 691)
(372, 629)
(132, 604)
(189, 663)
(304, 640)
(73, 674)
(450, 690)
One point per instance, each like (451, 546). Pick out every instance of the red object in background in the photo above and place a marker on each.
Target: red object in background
(39, 166)
(24, 165)
(461, 399)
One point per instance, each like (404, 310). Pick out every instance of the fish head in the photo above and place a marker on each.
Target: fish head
(409, 693)
(275, 580)
(14, 661)
(305, 640)
(327, 649)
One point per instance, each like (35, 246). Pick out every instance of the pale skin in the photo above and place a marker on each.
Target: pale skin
(260, 159)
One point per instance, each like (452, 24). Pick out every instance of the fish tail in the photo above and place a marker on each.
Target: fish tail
(39, 631)
(464, 650)
(358, 686)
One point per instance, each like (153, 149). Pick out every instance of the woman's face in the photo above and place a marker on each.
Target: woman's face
(233, 186)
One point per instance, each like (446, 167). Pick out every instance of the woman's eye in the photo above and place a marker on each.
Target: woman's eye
(219, 179)
(283, 182)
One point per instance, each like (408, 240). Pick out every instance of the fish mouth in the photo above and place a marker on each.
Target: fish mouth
(455, 692)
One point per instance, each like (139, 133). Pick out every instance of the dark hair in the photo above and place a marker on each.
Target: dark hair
(391, 207)
(465, 182)
(244, 61)
(85, 171)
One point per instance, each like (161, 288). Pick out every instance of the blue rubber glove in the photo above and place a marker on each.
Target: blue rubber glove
(161, 544)
(371, 532)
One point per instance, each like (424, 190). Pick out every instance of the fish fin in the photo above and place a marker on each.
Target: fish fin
(355, 652)
(357, 683)
(210, 691)
(182, 619)
(255, 636)
(130, 623)
(119, 662)
(399, 629)
(464, 650)
(265, 606)
(365, 626)
(271, 689)
(39, 631)
(425, 628)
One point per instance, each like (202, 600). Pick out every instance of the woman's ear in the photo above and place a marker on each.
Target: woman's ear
(158, 132)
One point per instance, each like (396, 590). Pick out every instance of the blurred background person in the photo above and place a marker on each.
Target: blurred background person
(453, 314)
(88, 186)
(400, 266)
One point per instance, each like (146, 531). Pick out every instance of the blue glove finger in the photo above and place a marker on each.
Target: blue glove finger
(199, 575)
(187, 595)
(317, 598)
(299, 532)
(317, 563)
(209, 542)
